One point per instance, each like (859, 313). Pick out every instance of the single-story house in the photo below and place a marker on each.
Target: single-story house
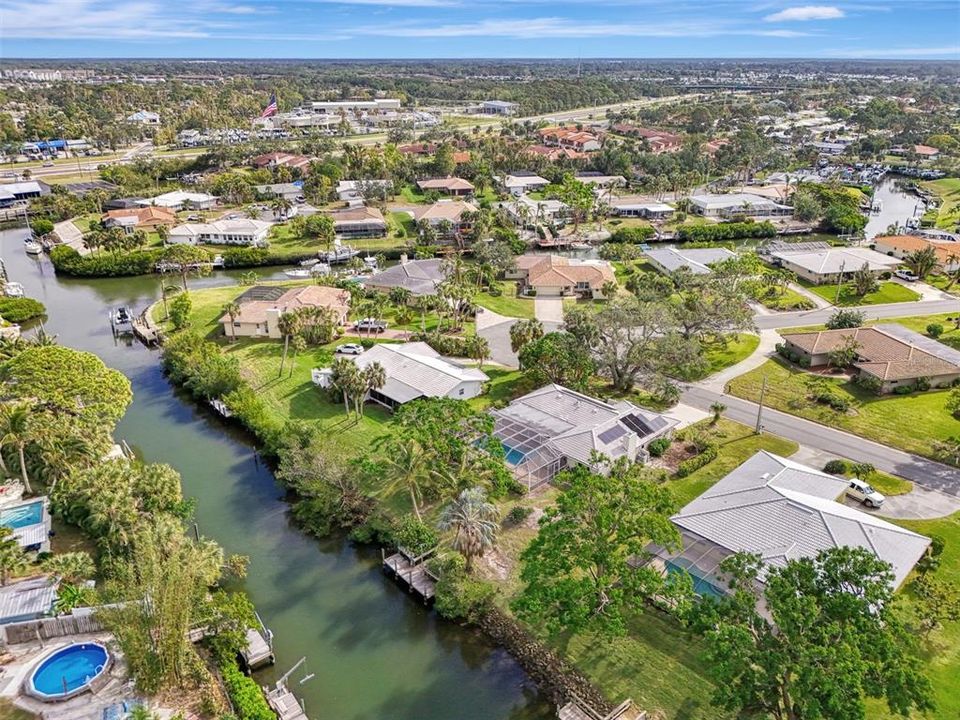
(282, 159)
(144, 117)
(355, 191)
(640, 208)
(821, 266)
(900, 246)
(359, 222)
(448, 186)
(15, 191)
(780, 510)
(659, 141)
(147, 218)
(555, 276)
(26, 600)
(888, 352)
(570, 138)
(523, 182)
(925, 152)
(599, 180)
(553, 153)
(182, 200)
(414, 370)
(287, 191)
(123, 203)
(554, 428)
(451, 211)
(696, 260)
(242, 231)
(420, 277)
(261, 307)
(29, 520)
(733, 204)
(527, 212)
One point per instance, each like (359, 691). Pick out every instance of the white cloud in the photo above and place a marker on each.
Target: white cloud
(806, 12)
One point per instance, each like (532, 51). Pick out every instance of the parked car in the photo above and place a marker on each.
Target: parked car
(370, 325)
(194, 218)
(300, 199)
(350, 349)
(907, 275)
(48, 163)
(862, 491)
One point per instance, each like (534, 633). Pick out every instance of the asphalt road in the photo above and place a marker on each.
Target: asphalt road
(927, 473)
(875, 312)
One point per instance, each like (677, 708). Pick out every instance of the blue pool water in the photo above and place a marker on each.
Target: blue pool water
(22, 515)
(701, 586)
(513, 456)
(69, 669)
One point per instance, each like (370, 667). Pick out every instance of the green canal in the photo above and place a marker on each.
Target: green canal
(374, 652)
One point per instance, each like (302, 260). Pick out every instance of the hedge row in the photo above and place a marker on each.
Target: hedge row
(687, 467)
(245, 695)
(726, 231)
(68, 261)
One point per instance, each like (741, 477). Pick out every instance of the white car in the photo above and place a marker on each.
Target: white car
(862, 491)
(906, 275)
(371, 325)
(350, 349)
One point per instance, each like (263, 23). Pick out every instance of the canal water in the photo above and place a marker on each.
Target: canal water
(896, 207)
(374, 651)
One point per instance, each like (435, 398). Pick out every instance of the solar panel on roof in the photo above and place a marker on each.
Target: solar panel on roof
(637, 424)
(611, 434)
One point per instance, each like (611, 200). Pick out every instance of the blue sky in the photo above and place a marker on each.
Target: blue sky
(927, 29)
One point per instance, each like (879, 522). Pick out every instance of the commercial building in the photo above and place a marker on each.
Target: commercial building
(353, 106)
(498, 107)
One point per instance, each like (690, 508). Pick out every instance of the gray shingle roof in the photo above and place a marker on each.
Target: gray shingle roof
(420, 277)
(415, 369)
(26, 599)
(783, 510)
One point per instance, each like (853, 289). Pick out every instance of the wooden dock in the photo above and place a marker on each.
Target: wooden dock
(259, 649)
(145, 330)
(577, 709)
(285, 704)
(412, 572)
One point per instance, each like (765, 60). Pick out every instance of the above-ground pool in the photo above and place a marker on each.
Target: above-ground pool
(68, 672)
(22, 515)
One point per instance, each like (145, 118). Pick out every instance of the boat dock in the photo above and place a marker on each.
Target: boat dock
(145, 330)
(412, 572)
(282, 700)
(259, 649)
(577, 709)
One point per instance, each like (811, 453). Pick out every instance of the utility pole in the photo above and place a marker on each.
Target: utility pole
(843, 264)
(763, 391)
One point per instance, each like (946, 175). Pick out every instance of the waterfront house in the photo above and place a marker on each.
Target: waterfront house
(900, 246)
(821, 265)
(520, 183)
(890, 353)
(414, 370)
(640, 208)
(696, 260)
(17, 191)
(554, 428)
(140, 218)
(286, 191)
(240, 231)
(458, 187)
(359, 222)
(261, 307)
(736, 204)
(356, 192)
(780, 510)
(555, 276)
(455, 212)
(182, 200)
(419, 277)
(524, 211)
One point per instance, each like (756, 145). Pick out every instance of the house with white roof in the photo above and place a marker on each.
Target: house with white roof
(527, 212)
(523, 182)
(780, 510)
(182, 200)
(640, 208)
(696, 260)
(241, 231)
(826, 265)
(144, 117)
(733, 204)
(555, 428)
(414, 370)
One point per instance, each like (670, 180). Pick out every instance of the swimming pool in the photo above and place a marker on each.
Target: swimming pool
(68, 672)
(701, 586)
(512, 455)
(22, 515)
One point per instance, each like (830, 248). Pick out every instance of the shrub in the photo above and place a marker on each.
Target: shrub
(934, 330)
(803, 361)
(245, 257)
(836, 467)
(41, 226)
(869, 382)
(460, 597)
(245, 694)
(659, 446)
(180, 310)
(415, 536)
(18, 310)
(697, 461)
(726, 231)
(904, 389)
(68, 261)
(450, 345)
(632, 234)
(846, 319)
(517, 514)
(923, 384)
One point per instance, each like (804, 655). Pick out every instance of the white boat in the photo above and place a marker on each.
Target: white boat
(121, 320)
(299, 274)
(32, 248)
(221, 407)
(370, 262)
(13, 289)
(320, 269)
(339, 255)
(309, 263)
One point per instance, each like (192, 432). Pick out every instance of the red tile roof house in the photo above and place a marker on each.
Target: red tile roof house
(659, 141)
(278, 159)
(890, 353)
(555, 276)
(455, 186)
(262, 306)
(554, 153)
(578, 140)
(900, 246)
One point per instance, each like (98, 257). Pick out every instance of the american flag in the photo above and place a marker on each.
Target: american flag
(271, 108)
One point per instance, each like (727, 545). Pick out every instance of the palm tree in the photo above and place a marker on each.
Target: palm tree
(374, 377)
(281, 206)
(232, 311)
(288, 324)
(16, 428)
(473, 519)
(71, 567)
(717, 409)
(405, 469)
(12, 558)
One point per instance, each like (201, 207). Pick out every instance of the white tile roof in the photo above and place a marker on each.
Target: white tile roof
(415, 369)
(829, 261)
(696, 259)
(783, 510)
(177, 197)
(27, 598)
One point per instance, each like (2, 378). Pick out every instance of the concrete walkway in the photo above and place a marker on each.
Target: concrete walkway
(818, 301)
(765, 350)
(548, 310)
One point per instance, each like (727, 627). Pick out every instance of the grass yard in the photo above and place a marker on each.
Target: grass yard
(948, 190)
(881, 419)
(888, 292)
(784, 299)
(283, 240)
(412, 194)
(721, 355)
(508, 303)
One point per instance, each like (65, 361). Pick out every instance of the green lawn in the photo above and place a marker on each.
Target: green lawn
(721, 355)
(948, 189)
(882, 419)
(888, 292)
(283, 240)
(507, 303)
(412, 194)
(785, 299)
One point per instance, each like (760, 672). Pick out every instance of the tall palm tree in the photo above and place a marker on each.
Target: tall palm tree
(288, 324)
(71, 567)
(17, 429)
(374, 377)
(405, 469)
(232, 311)
(473, 520)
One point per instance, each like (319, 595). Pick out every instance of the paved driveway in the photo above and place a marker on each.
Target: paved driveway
(496, 329)
(548, 309)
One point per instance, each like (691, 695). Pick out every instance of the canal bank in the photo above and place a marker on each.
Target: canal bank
(372, 651)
